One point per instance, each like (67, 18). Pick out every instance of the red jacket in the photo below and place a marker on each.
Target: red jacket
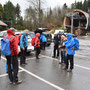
(37, 41)
(13, 42)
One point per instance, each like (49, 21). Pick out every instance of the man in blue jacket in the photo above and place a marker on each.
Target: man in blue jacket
(43, 39)
(23, 47)
(70, 44)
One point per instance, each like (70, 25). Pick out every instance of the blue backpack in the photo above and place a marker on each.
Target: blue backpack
(44, 39)
(5, 46)
(76, 44)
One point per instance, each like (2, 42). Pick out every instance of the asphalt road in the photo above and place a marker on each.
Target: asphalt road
(47, 74)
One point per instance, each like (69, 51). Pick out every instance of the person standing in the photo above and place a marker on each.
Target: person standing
(37, 45)
(43, 40)
(56, 45)
(63, 50)
(23, 47)
(70, 44)
(12, 60)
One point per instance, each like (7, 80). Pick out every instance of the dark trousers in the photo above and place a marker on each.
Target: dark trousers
(56, 49)
(37, 51)
(23, 56)
(12, 61)
(71, 59)
(44, 45)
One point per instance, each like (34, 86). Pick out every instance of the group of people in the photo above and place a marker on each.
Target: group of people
(39, 42)
(62, 43)
(67, 46)
(12, 65)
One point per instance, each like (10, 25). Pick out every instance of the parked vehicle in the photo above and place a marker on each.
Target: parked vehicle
(47, 34)
(49, 38)
(31, 34)
(30, 47)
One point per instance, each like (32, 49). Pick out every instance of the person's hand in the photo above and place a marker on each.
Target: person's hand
(23, 48)
(63, 44)
(59, 46)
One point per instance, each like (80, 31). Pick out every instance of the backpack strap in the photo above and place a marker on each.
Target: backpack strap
(11, 37)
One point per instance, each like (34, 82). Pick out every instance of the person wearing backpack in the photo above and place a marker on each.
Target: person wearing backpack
(37, 45)
(43, 40)
(70, 44)
(23, 47)
(12, 59)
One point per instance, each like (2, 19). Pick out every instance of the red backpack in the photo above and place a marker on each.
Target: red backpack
(33, 41)
(19, 36)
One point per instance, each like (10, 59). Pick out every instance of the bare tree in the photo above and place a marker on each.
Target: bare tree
(37, 5)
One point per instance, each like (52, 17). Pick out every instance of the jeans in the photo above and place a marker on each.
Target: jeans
(63, 56)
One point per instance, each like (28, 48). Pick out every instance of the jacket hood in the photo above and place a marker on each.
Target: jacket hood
(69, 36)
(24, 33)
(38, 35)
(10, 32)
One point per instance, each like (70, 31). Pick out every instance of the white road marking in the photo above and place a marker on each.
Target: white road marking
(32, 74)
(56, 60)
(19, 59)
(3, 75)
(74, 64)
(45, 81)
(30, 58)
(82, 56)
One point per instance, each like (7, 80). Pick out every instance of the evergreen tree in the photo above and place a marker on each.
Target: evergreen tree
(9, 15)
(1, 11)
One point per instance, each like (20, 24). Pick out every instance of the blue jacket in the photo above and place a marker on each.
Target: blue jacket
(43, 38)
(70, 44)
(24, 41)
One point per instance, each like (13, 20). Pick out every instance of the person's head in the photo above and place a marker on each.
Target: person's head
(55, 35)
(26, 31)
(13, 29)
(37, 34)
(69, 36)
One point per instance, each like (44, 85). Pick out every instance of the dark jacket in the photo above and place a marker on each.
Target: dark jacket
(56, 40)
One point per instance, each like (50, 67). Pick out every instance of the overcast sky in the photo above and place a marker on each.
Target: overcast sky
(49, 3)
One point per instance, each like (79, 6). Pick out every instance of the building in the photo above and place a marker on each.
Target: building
(77, 22)
(3, 25)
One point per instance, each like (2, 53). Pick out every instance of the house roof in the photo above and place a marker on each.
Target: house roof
(2, 23)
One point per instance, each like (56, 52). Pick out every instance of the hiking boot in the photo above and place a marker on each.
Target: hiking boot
(64, 68)
(53, 56)
(57, 56)
(69, 70)
(18, 82)
(60, 62)
(11, 82)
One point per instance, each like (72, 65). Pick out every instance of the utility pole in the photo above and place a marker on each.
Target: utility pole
(72, 23)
